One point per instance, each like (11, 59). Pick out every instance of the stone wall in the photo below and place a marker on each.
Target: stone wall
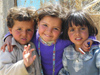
(4, 7)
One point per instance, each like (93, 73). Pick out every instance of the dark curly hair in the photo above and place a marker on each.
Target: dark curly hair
(21, 14)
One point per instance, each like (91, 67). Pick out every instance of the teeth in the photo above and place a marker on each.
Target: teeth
(78, 38)
(47, 35)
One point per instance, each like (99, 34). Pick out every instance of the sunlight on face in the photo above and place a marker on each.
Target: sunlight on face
(49, 28)
(22, 31)
(78, 34)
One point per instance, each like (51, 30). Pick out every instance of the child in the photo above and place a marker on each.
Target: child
(21, 61)
(79, 26)
(48, 38)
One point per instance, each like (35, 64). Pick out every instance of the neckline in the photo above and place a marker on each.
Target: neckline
(46, 43)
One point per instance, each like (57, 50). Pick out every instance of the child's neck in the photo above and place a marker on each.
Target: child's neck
(47, 43)
(77, 47)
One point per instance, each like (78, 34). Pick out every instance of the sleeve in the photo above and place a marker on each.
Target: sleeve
(10, 66)
(95, 42)
(98, 60)
(64, 70)
(8, 34)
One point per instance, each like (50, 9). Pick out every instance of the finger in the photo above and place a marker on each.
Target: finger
(85, 49)
(34, 57)
(25, 49)
(9, 47)
(28, 47)
(23, 54)
(26, 56)
(85, 45)
(32, 50)
(4, 47)
(1, 47)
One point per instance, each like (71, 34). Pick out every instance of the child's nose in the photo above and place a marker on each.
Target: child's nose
(77, 32)
(24, 33)
(49, 30)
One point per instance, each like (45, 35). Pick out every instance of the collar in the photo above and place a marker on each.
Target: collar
(71, 54)
(18, 45)
(42, 41)
(46, 43)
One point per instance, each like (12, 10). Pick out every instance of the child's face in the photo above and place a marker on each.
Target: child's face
(78, 34)
(22, 31)
(49, 28)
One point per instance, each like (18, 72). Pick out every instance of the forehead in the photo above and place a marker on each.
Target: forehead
(24, 23)
(51, 20)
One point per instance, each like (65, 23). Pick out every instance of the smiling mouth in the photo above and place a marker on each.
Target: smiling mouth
(47, 35)
(78, 38)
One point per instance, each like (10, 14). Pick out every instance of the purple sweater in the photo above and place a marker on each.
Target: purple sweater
(47, 54)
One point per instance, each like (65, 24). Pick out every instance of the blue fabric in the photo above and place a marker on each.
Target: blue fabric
(76, 63)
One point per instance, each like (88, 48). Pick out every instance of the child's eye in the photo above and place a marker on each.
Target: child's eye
(19, 29)
(71, 30)
(56, 29)
(29, 30)
(82, 28)
(45, 25)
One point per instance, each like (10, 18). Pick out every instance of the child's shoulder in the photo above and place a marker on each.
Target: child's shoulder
(95, 49)
(70, 46)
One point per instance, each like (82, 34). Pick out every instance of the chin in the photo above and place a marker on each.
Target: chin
(23, 43)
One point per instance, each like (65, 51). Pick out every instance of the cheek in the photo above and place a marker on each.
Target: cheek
(70, 35)
(86, 34)
(56, 34)
(17, 33)
(41, 29)
(30, 34)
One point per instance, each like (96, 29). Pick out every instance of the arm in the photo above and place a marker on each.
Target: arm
(95, 41)
(92, 39)
(9, 66)
(98, 60)
(8, 40)
(8, 34)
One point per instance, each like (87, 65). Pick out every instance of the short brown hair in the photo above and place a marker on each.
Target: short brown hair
(20, 14)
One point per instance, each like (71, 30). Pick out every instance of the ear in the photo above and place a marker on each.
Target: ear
(10, 30)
